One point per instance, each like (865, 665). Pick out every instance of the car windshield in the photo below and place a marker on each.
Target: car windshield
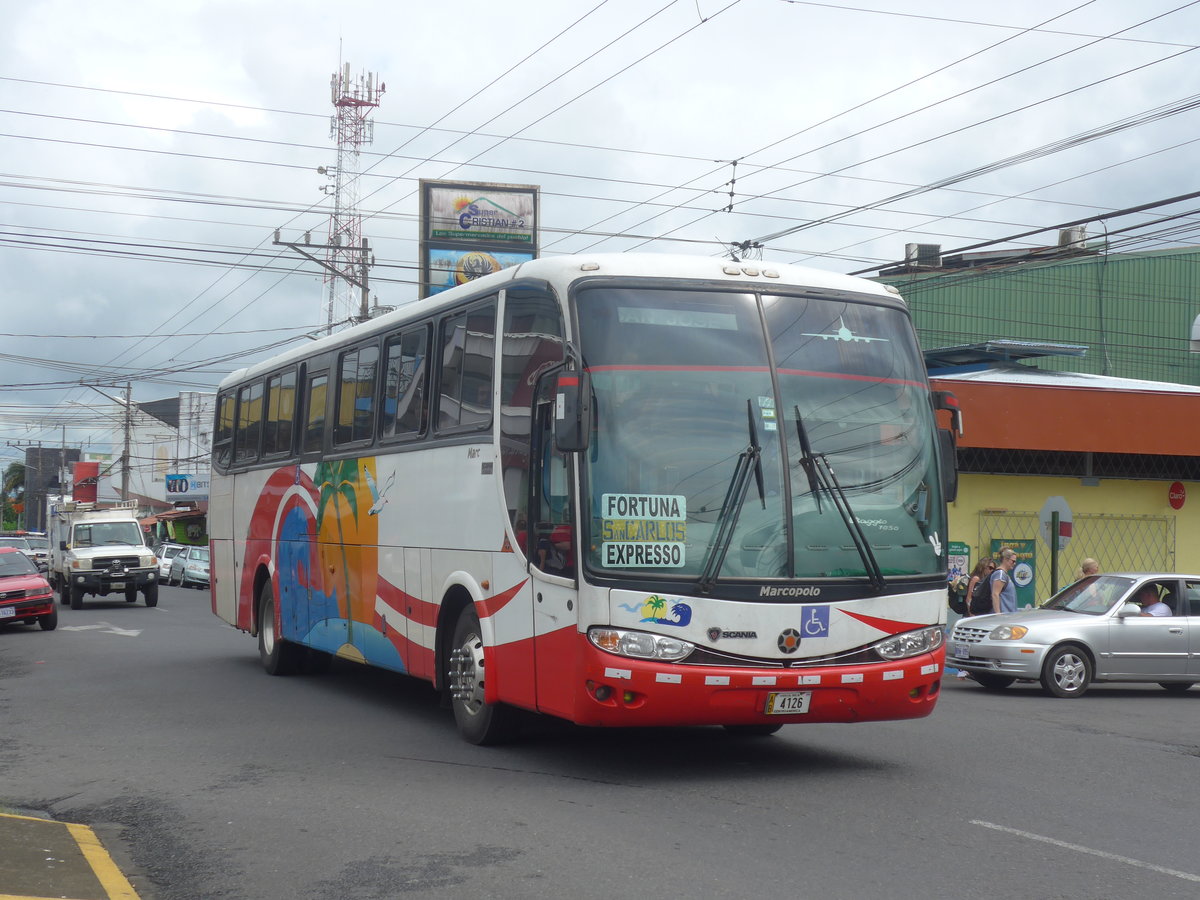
(701, 393)
(16, 564)
(95, 534)
(200, 556)
(16, 543)
(38, 543)
(1091, 596)
(168, 552)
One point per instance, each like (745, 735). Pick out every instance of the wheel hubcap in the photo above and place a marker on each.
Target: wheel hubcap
(1068, 672)
(466, 674)
(268, 628)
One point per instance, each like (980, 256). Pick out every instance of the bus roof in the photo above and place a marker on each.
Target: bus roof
(752, 274)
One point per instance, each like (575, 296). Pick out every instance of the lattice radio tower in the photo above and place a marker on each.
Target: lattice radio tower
(346, 253)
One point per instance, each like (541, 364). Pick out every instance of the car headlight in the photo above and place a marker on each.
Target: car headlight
(1008, 633)
(639, 644)
(147, 561)
(911, 643)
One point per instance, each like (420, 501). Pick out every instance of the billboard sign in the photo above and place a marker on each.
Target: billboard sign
(470, 229)
(187, 487)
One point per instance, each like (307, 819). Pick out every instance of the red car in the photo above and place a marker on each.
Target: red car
(25, 594)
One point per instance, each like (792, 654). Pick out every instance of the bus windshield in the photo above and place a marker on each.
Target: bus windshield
(832, 393)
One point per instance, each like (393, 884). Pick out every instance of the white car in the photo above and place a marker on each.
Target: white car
(190, 568)
(165, 554)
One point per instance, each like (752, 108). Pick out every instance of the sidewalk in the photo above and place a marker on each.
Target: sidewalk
(41, 859)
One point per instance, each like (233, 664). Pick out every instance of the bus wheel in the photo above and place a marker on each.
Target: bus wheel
(279, 657)
(753, 730)
(478, 721)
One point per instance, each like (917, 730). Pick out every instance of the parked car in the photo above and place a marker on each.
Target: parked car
(1100, 628)
(190, 567)
(166, 553)
(25, 594)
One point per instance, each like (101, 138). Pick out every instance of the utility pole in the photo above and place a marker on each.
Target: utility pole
(125, 452)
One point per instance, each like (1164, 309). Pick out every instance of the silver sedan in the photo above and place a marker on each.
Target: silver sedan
(1123, 626)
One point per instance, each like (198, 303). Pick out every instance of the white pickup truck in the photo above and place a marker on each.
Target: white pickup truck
(100, 550)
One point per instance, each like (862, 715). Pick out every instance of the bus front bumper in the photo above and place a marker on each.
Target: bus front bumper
(619, 691)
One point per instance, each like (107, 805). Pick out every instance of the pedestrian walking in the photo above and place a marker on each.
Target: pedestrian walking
(1004, 592)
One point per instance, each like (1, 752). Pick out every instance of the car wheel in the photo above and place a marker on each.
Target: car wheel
(753, 730)
(1175, 687)
(150, 592)
(478, 721)
(130, 593)
(49, 621)
(1067, 672)
(279, 657)
(76, 597)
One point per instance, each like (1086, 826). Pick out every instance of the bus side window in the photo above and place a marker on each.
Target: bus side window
(468, 351)
(356, 395)
(223, 430)
(404, 384)
(533, 341)
(281, 410)
(314, 413)
(247, 435)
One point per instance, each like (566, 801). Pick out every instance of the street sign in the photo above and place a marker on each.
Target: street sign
(1049, 508)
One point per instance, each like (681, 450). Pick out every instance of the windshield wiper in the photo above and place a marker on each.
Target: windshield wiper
(820, 476)
(749, 460)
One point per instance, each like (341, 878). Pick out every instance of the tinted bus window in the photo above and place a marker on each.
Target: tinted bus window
(249, 423)
(281, 410)
(356, 395)
(223, 432)
(404, 384)
(468, 347)
(314, 413)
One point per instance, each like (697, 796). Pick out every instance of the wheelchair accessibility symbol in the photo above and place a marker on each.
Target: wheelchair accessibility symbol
(816, 621)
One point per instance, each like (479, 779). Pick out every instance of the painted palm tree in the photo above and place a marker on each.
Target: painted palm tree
(338, 484)
(13, 490)
(657, 604)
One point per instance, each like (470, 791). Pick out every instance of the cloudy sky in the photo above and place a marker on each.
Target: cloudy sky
(150, 150)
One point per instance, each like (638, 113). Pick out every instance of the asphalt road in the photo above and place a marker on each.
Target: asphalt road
(209, 779)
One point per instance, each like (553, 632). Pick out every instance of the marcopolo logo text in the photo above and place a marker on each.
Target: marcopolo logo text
(808, 591)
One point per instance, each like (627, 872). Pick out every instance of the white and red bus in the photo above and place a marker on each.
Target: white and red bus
(629, 490)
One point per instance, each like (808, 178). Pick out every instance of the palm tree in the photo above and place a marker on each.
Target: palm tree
(338, 482)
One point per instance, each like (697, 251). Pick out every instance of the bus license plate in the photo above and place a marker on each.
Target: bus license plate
(788, 703)
(7, 611)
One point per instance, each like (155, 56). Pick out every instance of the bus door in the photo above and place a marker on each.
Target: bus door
(552, 549)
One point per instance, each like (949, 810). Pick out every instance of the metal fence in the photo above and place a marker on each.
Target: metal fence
(1118, 543)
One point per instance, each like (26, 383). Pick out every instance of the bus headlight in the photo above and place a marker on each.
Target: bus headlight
(911, 643)
(639, 644)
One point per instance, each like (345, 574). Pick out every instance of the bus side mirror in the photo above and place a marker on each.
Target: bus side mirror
(573, 411)
(947, 401)
(948, 463)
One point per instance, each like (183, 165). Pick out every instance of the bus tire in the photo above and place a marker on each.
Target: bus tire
(76, 596)
(479, 722)
(279, 657)
(150, 592)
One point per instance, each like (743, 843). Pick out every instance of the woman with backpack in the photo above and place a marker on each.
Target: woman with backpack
(979, 593)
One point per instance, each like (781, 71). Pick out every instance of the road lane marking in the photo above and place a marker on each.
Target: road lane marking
(105, 627)
(1186, 876)
(114, 882)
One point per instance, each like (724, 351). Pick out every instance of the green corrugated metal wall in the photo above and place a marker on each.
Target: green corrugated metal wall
(1133, 311)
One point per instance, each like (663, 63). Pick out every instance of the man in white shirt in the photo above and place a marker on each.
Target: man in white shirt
(1147, 597)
